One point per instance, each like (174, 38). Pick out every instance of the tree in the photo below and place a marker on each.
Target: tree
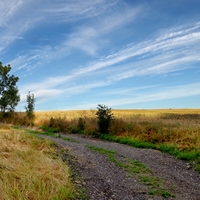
(30, 99)
(9, 97)
(105, 118)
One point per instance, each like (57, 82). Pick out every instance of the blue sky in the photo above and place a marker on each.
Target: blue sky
(126, 54)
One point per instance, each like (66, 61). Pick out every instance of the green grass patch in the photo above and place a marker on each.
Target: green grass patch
(49, 129)
(145, 175)
(188, 155)
(130, 141)
(171, 149)
(52, 134)
(197, 168)
(66, 138)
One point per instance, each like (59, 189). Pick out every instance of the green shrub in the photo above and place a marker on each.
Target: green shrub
(74, 129)
(61, 124)
(81, 124)
(105, 118)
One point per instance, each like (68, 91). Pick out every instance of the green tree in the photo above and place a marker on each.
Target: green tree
(105, 118)
(30, 99)
(9, 97)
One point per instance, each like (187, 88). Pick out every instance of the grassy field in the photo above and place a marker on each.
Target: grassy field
(70, 114)
(175, 131)
(30, 168)
(179, 122)
(180, 127)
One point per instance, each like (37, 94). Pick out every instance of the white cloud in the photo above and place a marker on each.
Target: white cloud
(74, 10)
(169, 51)
(89, 38)
(8, 9)
(48, 91)
(151, 57)
(84, 40)
(163, 94)
(15, 20)
(177, 31)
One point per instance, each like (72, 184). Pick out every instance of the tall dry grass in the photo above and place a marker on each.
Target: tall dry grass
(123, 114)
(180, 127)
(30, 169)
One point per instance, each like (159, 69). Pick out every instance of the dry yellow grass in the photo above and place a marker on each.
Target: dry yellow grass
(180, 127)
(42, 116)
(29, 168)
(126, 115)
(71, 114)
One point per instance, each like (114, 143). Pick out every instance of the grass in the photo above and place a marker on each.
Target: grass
(30, 168)
(66, 138)
(188, 155)
(145, 175)
(173, 131)
(180, 127)
(48, 132)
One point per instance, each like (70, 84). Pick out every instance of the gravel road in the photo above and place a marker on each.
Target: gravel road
(104, 180)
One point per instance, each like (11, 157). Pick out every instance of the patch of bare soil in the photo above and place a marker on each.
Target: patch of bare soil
(106, 181)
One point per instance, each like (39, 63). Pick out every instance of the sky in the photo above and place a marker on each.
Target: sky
(125, 54)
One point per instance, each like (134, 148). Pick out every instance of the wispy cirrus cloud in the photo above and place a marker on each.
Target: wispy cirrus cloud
(14, 24)
(153, 67)
(90, 38)
(151, 57)
(86, 38)
(76, 10)
(116, 48)
(178, 31)
(163, 93)
(7, 10)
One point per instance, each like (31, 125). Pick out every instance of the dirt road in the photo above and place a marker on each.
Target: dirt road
(109, 177)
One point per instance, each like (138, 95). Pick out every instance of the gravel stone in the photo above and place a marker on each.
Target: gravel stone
(105, 181)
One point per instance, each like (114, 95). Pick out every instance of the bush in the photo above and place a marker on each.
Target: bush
(118, 126)
(105, 118)
(60, 124)
(81, 124)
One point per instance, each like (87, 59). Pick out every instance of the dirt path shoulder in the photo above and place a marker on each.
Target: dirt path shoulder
(111, 177)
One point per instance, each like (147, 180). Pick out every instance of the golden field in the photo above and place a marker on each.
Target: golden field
(192, 115)
(125, 114)
(180, 127)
